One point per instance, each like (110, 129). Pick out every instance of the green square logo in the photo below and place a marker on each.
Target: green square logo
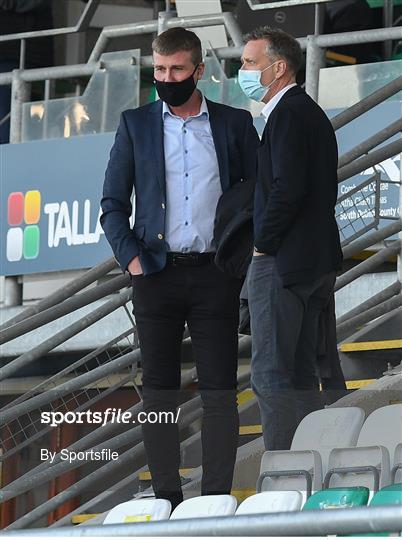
(31, 242)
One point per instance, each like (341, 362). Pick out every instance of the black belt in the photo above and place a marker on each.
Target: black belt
(189, 259)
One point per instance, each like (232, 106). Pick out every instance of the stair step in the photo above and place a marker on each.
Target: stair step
(355, 385)
(245, 396)
(145, 476)
(250, 430)
(371, 345)
(81, 518)
(242, 494)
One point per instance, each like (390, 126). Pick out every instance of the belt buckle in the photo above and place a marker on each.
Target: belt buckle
(184, 259)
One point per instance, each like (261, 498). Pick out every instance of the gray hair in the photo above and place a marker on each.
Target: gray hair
(279, 45)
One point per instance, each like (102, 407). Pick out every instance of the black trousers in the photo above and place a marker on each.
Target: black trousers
(208, 300)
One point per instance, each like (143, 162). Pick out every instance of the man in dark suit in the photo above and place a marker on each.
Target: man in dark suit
(297, 249)
(180, 154)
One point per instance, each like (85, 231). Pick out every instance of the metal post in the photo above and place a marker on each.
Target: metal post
(12, 291)
(388, 17)
(399, 258)
(318, 19)
(19, 94)
(22, 53)
(314, 62)
(163, 17)
(46, 112)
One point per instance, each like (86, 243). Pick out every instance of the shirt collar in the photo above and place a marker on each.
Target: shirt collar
(203, 108)
(272, 103)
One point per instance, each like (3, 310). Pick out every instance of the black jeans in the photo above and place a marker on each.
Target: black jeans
(208, 300)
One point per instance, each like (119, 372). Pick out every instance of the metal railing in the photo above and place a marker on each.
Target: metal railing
(380, 519)
(82, 24)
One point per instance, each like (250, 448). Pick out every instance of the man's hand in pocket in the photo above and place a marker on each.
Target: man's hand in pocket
(134, 267)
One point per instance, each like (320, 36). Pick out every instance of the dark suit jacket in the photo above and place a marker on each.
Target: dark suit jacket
(137, 162)
(233, 229)
(296, 191)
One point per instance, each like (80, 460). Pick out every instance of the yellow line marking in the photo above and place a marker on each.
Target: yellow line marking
(331, 55)
(242, 494)
(250, 430)
(245, 396)
(353, 385)
(371, 345)
(146, 475)
(80, 518)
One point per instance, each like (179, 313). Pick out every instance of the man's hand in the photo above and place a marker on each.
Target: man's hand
(134, 267)
(258, 253)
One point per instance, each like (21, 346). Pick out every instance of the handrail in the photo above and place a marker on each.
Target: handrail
(373, 158)
(357, 246)
(368, 144)
(68, 306)
(367, 103)
(302, 523)
(88, 441)
(65, 292)
(146, 27)
(373, 301)
(82, 24)
(368, 265)
(125, 458)
(62, 336)
(348, 327)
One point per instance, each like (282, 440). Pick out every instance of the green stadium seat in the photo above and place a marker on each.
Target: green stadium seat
(332, 498)
(388, 495)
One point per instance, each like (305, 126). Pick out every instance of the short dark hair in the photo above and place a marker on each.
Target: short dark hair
(178, 39)
(279, 45)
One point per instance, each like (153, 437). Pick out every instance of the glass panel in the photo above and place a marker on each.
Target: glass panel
(343, 86)
(113, 88)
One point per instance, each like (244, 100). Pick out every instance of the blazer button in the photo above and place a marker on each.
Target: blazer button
(160, 236)
(163, 205)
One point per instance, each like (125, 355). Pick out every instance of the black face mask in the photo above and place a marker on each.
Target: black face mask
(176, 93)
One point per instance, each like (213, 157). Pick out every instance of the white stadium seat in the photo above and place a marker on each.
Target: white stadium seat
(271, 501)
(205, 506)
(140, 510)
(317, 434)
(377, 443)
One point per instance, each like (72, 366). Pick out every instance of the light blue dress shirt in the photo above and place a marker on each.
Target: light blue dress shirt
(193, 184)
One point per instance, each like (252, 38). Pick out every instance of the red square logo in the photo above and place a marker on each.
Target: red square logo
(15, 208)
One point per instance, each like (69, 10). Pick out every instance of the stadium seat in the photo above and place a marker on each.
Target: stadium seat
(271, 501)
(368, 463)
(301, 468)
(338, 498)
(396, 474)
(139, 510)
(388, 495)
(205, 506)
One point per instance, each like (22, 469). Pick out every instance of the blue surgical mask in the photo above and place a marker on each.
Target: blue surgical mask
(250, 83)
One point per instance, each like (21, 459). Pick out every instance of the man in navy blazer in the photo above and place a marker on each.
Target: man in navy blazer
(179, 155)
(297, 248)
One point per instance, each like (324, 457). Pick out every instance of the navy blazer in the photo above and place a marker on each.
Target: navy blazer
(137, 163)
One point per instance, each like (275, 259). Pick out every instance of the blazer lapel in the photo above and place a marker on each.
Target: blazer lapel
(156, 134)
(218, 128)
